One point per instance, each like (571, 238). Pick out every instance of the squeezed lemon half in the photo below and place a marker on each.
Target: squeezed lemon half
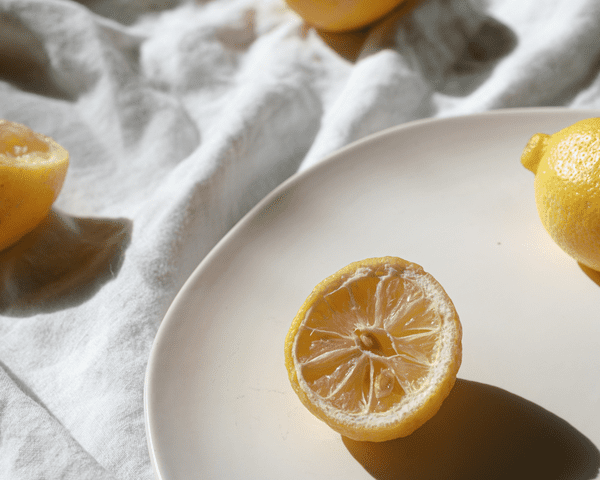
(375, 349)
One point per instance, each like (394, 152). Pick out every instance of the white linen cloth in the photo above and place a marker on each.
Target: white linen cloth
(179, 116)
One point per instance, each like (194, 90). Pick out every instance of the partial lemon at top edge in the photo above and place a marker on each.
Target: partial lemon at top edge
(340, 16)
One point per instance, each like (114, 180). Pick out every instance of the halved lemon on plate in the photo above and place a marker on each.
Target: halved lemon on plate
(375, 349)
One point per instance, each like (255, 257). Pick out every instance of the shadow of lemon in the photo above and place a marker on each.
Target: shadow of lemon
(593, 275)
(61, 263)
(483, 432)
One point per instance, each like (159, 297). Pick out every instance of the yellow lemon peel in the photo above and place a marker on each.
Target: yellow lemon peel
(32, 171)
(566, 165)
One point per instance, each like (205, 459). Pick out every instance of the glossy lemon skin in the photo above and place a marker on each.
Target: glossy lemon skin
(567, 187)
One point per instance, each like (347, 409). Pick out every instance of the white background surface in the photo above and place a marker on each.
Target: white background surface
(179, 118)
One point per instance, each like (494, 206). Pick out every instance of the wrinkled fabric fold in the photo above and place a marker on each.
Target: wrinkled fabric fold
(179, 117)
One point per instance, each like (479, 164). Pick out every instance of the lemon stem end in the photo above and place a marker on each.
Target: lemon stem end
(534, 151)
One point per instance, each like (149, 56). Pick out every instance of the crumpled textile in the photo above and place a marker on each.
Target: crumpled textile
(180, 116)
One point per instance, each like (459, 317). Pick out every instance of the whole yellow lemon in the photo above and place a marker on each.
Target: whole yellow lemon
(342, 15)
(566, 165)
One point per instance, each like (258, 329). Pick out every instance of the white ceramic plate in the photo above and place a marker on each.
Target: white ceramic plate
(450, 195)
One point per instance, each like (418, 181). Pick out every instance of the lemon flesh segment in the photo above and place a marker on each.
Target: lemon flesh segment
(375, 349)
(32, 171)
